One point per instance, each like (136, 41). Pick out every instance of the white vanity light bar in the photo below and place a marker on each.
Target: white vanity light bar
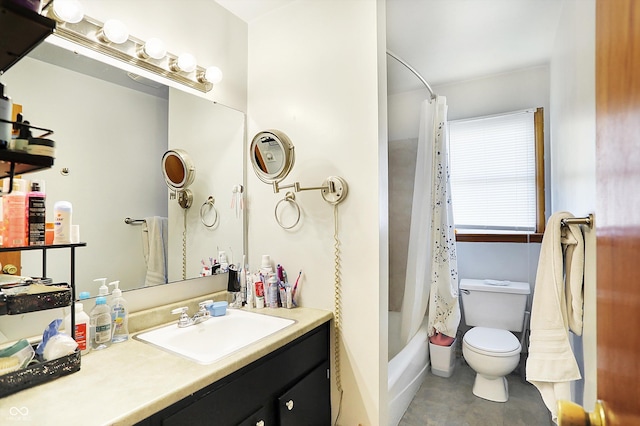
(87, 32)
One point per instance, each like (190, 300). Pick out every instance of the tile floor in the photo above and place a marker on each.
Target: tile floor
(450, 402)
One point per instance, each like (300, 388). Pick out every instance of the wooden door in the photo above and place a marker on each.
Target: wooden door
(618, 207)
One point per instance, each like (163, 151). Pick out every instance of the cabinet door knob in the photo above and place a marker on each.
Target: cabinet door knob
(289, 404)
(260, 423)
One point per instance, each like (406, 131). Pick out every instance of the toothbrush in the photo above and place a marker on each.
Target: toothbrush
(295, 286)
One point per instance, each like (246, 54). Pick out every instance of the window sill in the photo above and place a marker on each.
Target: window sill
(498, 238)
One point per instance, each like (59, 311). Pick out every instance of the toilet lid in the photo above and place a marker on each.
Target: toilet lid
(492, 340)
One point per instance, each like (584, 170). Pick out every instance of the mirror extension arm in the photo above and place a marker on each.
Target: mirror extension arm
(334, 189)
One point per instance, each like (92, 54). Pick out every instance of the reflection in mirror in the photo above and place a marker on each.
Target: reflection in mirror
(272, 155)
(111, 130)
(178, 169)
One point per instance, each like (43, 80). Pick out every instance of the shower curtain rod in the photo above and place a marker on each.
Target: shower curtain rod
(416, 73)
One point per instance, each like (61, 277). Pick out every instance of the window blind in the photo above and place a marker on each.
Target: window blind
(493, 172)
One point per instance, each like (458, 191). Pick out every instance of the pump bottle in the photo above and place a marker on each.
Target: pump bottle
(103, 290)
(119, 315)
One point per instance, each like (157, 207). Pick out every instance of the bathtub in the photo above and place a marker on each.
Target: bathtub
(407, 367)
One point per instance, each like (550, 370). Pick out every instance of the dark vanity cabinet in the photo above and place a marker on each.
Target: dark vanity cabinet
(289, 386)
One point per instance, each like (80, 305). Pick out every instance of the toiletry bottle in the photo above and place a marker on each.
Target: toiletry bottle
(103, 290)
(62, 222)
(14, 206)
(36, 213)
(259, 291)
(21, 142)
(100, 324)
(82, 327)
(272, 290)
(119, 315)
(5, 114)
(224, 265)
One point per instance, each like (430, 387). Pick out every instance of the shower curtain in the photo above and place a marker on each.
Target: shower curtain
(432, 272)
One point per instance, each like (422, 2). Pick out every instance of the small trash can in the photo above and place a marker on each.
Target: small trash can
(443, 359)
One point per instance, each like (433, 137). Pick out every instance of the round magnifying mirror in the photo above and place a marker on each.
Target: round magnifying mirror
(178, 169)
(272, 155)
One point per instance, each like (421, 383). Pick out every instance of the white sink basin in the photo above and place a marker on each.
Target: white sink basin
(215, 338)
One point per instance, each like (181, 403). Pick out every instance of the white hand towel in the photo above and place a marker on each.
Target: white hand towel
(154, 245)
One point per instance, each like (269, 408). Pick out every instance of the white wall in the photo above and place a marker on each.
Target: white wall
(494, 94)
(573, 153)
(313, 75)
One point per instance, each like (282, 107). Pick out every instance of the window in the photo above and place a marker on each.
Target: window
(497, 175)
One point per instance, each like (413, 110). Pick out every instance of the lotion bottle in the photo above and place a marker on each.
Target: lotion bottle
(119, 315)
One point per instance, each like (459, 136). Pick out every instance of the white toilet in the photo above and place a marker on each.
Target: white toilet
(493, 308)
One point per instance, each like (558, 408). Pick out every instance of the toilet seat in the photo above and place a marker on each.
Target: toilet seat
(492, 342)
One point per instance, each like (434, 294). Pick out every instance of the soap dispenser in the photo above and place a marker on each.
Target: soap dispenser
(119, 315)
(103, 290)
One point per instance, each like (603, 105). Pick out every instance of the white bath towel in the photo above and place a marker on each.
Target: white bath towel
(556, 309)
(154, 246)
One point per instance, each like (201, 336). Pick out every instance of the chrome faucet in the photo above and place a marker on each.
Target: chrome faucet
(200, 316)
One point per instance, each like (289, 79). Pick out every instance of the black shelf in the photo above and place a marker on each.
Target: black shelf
(22, 162)
(45, 247)
(21, 30)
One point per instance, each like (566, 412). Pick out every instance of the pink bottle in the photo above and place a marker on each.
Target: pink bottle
(14, 215)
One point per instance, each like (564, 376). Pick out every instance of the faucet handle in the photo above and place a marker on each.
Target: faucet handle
(204, 312)
(204, 304)
(184, 319)
(182, 311)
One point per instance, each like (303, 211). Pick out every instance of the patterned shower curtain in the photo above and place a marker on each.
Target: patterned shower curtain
(432, 272)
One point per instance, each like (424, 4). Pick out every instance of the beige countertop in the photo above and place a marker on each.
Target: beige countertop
(131, 380)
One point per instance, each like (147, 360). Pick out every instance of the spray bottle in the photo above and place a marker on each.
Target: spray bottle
(119, 315)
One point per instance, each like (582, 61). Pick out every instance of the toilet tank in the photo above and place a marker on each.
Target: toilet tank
(493, 303)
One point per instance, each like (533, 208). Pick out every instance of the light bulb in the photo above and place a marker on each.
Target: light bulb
(114, 31)
(67, 11)
(186, 62)
(153, 48)
(212, 75)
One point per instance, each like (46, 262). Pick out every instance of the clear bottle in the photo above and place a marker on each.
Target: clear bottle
(100, 324)
(36, 214)
(14, 207)
(119, 315)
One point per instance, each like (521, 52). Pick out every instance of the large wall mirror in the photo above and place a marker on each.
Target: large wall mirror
(112, 128)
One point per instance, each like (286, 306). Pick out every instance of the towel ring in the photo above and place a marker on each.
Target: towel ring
(289, 198)
(210, 202)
